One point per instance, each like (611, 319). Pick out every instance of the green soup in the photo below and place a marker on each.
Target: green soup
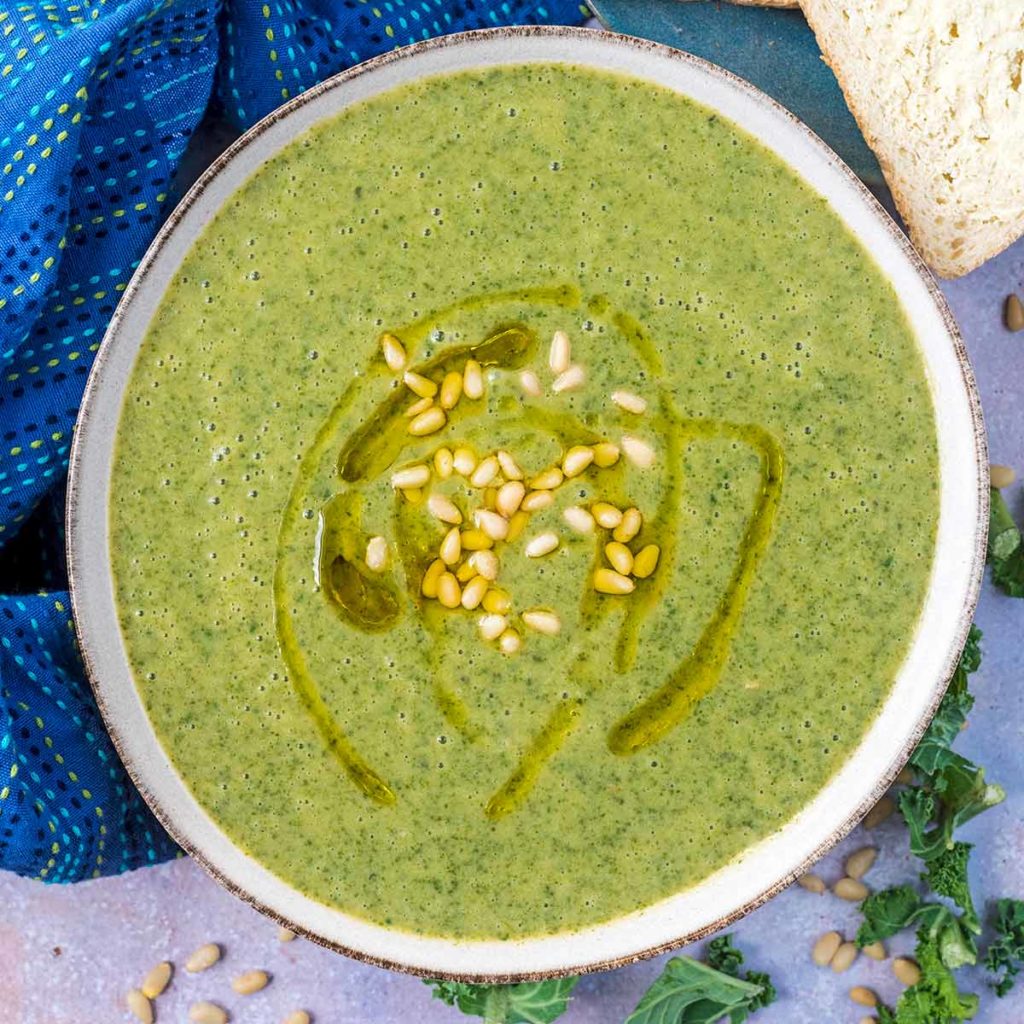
(377, 749)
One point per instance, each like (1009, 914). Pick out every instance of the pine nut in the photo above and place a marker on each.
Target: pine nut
(1001, 476)
(249, 982)
(376, 554)
(485, 563)
(548, 480)
(420, 405)
(285, 934)
(560, 353)
(530, 383)
(606, 515)
(490, 497)
(394, 352)
(619, 557)
(543, 621)
(473, 593)
(536, 500)
(639, 452)
(851, 889)
(207, 1013)
(451, 546)
(629, 402)
(485, 472)
(906, 970)
(451, 390)
(646, 561)
(863, 996)
(825, 948)
(443, 508)
(858, 864)
(1013, 313)
(464, 462)
(429, 422)
(879, 812)
(434, 572)
(577, 459)
(496, 601)
(874, 950)
(411, 476)
(419, 385)
(203, 958)
(542, 544)
(297, 1017)
(492, 626)
(605, 454)
(812, 883)
(449, 593)
(510, 497)
(156, 981)
(570, 380)
(473, 380)
(476, 540)
(629, 527)
(139, 1006)
(444, 463)
(518, 523)
(413, 495)
(465, 572)
(510, 642)
(493, 524)
(579, 519)
(509, 466)
(607, 581)
(844, 958)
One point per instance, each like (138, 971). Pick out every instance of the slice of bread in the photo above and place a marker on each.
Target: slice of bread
(936, 87)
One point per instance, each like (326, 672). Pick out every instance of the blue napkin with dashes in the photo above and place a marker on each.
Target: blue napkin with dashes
(98, 103)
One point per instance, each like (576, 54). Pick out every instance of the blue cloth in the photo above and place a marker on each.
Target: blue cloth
(98, 102)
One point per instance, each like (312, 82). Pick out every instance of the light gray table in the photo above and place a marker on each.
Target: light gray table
(67, 955)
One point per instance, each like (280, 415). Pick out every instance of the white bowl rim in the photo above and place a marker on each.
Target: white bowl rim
(761, 871)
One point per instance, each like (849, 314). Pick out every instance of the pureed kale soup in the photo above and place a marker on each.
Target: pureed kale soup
(397, 653)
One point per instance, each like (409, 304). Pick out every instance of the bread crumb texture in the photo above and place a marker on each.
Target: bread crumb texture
(936, 88)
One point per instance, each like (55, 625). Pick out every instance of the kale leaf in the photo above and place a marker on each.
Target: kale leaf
(1005, 953)
(947, 876)
(691, 992)
(531, 1002)
(886, 913)
(935, 999)
(933, 751)
(1005, 549)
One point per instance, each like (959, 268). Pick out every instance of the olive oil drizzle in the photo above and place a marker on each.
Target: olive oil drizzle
(698, 674)
(701, 670)
(351, 469)
(561, 722)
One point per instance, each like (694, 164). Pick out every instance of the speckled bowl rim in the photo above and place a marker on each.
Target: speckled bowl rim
(632, 937)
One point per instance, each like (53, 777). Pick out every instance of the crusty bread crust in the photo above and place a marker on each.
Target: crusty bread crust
(948, 131)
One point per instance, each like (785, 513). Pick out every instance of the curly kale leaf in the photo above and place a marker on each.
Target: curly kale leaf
(947, 875)
(954, 795)
(691, 992)
(531, 1002)
(1005, 548)
(935, 999)
(1005, 955)
(886, 913)
(933, 752)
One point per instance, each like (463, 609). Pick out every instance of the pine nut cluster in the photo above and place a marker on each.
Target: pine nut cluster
(503, 497)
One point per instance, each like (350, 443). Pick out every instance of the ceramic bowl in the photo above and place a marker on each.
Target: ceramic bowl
(762, 870)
